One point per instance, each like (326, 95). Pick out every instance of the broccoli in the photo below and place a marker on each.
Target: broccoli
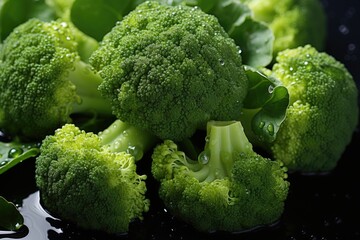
(91, 179)
(294, 22)
(170, 69)
(228, 188)
(43, 80)
(322, 113)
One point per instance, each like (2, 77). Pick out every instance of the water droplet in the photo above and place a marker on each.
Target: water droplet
(204, 158)
(3, 163)
(135, 152)
(117, 145)
(291, 69)
(15, 152)
(195, 8)
(221, 61)
(270, 129)
(351, 47)
(271, 89)
(64, 24)
(125, 133)
(344, 29)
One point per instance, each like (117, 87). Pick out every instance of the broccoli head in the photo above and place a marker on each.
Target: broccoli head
(323, 110)
(228, 188)
(294, 22)
(84, 179)
(170, 69)
(43, 79)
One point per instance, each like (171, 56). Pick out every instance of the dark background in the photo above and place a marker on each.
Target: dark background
(325, 207)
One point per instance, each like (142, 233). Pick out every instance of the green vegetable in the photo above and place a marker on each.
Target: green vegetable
(86, 14)
(228, 187)
(43, 80)
(265, 106)
(14, 152)
(16, 12)
(170, 70)
(253, 37)
(323, 110)
(91, 179)
(293, 22)
(10, 217)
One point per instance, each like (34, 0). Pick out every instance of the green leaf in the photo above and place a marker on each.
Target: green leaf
(254, 38)
(13, 153)
(10, 217)
(16, 12)
(97, 17)
(268, 101)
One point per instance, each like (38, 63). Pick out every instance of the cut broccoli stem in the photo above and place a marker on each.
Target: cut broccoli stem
(223, 141)
(87, 82)
(123, 137)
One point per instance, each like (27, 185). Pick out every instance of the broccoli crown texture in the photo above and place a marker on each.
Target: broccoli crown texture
(294, 22)
(83, 181)
(43, 80)
(323, 110)
(171, 69)
(228, 188)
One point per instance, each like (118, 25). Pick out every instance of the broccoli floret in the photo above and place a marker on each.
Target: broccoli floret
(323, 110)
(91, 179)
(228, 188)
(43, 80)
(170, 69)
(294, 22)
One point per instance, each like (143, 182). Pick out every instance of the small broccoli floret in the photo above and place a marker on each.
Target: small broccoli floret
(228, 188)
(323, 110)
(43, 80)
(294, 22)
(91, 179)
(170, 69)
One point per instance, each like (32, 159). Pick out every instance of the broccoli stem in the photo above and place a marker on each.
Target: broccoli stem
(123, 137)
(223, 141)
(87, 83)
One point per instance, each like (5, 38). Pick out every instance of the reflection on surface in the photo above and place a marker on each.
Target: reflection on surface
(36, 218)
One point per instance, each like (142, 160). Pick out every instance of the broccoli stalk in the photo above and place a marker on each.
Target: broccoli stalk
(223, 140)
(123, 137)
(86, 84)
(91, 179)
(228, 188)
